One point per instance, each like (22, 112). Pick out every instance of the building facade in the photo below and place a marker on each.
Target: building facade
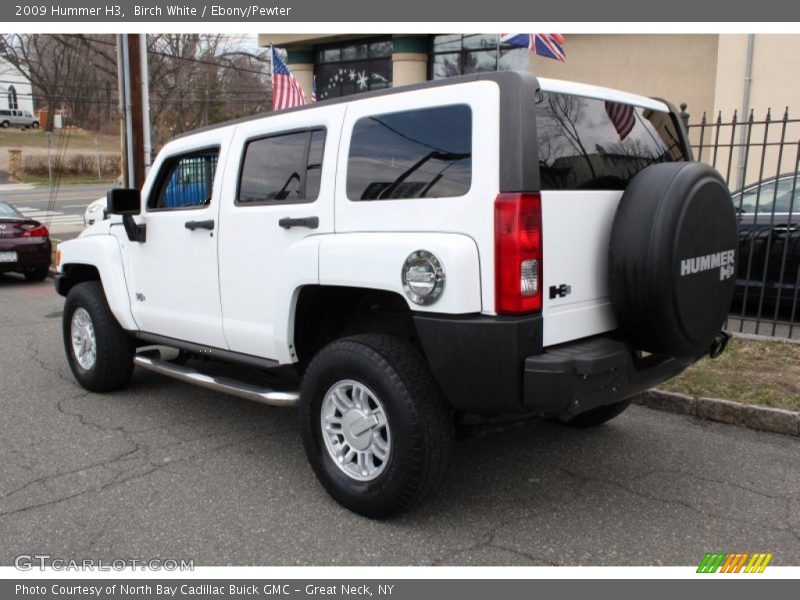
(705, 71)
(15, 89)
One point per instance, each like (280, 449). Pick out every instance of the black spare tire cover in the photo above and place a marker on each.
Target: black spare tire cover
(672, 258)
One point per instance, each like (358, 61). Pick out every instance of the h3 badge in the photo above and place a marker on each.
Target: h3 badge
(560, 291)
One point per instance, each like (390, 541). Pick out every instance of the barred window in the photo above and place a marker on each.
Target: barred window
(186, 181)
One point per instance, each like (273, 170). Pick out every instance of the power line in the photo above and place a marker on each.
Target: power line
(178, 57)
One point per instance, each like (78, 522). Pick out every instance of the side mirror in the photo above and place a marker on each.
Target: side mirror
(123, 201)
(127, 202)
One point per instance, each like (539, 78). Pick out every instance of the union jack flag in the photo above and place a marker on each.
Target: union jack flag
(286, 90)
(550, 45)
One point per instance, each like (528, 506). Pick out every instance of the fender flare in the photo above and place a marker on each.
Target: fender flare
(103, 253)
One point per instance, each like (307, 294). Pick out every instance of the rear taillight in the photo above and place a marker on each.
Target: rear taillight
(36, 231)
(518, 253)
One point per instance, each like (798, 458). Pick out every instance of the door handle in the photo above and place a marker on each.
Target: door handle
(289, 222)
(192, 225)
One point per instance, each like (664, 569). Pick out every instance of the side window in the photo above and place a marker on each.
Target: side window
(425, 153)
(586, 143)
(282, 168)
(186, 181)
(770, 197)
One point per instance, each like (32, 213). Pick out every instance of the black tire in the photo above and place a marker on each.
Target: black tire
(672, 258)
(596, 416)
(37, 273)
(113, 365)
(35, 125)
(5, 124)
(420, 422)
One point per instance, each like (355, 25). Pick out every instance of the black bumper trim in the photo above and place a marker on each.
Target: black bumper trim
(496, 365)
(477, 359)
(579, 376)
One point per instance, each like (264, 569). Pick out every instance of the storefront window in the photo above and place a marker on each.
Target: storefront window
(461, 54)
(352, 67)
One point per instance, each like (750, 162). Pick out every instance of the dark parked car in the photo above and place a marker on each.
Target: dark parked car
(769, 245)
(24, 244)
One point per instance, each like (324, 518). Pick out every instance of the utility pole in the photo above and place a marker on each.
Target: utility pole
(134, 107)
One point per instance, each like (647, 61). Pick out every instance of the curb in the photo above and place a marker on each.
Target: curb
(762, 418)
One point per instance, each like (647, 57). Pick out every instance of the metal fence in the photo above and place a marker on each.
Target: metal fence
(760, 160)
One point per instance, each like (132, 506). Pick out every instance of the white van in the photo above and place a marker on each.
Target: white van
(18, 118)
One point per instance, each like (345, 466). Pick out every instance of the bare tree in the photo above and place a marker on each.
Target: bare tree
(195, 79)
(51, 70)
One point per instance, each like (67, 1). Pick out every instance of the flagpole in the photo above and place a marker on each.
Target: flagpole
(272, 76)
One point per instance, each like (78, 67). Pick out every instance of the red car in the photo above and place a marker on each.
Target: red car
(24, 244)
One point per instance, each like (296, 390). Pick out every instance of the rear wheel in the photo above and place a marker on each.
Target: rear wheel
(596, 416)
(99, 352)
(5, 124)
(37, 273)
(375, 427)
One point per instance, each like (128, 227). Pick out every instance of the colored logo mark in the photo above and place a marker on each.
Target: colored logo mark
(736, 562)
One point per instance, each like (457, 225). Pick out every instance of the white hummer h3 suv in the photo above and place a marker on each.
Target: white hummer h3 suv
(488, 245)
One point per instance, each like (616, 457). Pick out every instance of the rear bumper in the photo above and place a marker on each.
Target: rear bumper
(30, 254)
(579, 376)
(496, 365)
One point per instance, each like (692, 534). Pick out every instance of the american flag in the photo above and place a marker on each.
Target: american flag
(286, 91)
(550, 45)
(622, 116)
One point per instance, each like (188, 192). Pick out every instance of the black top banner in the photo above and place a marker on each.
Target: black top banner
(278, 11)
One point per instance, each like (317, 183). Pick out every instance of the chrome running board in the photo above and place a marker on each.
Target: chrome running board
(152, 361)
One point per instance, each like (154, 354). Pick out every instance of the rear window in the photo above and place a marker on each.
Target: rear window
(8, 211)
(425, 153)
(585, 143)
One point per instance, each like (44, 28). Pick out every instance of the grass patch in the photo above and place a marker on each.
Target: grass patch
(753, 372)
(65, 179)
(76, 139)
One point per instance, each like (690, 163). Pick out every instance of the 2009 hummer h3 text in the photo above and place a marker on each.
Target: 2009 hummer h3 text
(486, 245)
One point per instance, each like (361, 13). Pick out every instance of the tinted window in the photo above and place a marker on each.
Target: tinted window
(186, 181)
(415, 154)
(282, 168)
(460, 54)
(586, 143)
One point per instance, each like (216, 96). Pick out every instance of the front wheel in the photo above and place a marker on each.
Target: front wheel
(99, 351)
(375, 427)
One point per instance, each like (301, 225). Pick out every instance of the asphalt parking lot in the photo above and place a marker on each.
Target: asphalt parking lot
(163, 469)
